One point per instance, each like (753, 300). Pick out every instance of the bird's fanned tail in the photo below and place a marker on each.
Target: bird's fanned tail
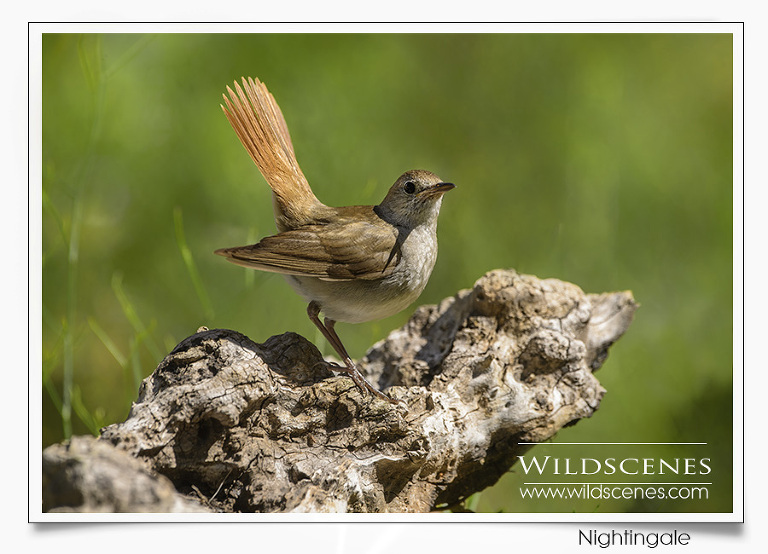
(261, 128)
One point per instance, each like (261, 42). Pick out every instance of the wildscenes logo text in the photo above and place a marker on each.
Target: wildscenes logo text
(610, 466)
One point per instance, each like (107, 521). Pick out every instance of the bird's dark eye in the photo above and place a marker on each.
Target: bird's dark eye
(409, 187)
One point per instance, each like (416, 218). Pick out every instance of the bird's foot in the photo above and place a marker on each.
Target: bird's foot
(362, 382)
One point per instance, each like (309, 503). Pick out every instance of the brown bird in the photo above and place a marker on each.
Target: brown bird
(354, 263)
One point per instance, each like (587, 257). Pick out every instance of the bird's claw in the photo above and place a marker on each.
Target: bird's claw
(362, 382)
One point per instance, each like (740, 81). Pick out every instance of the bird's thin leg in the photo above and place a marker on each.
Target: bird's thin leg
(351, 369)
(357, 377)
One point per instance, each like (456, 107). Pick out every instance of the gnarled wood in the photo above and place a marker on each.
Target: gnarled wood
(267, 427)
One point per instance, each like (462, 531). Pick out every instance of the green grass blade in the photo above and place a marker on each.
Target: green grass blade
(189, 263)
(250, 276)
(133, 317)
(93, 421)
(53, 394)
(107, 342)
(136, 370)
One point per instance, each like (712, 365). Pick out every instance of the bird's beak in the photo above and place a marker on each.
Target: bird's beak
(438, 189)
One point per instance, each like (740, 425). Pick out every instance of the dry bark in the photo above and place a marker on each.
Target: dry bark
(267, 427)
(85, 474)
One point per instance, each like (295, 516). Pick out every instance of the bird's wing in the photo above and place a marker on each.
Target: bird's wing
(333, 252)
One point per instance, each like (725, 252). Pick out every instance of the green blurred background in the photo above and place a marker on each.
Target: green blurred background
(602, 159)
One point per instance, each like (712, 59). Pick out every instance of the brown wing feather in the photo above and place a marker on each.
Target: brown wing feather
(324, 251)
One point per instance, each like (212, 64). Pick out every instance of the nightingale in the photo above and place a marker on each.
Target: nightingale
(352, 264)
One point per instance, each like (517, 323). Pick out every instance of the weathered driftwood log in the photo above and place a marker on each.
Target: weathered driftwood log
(267, 427)
(85, 474)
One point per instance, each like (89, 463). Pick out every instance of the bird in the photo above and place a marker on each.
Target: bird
(352, 264)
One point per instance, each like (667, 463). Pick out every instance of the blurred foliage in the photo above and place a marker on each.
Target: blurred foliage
(604, 159)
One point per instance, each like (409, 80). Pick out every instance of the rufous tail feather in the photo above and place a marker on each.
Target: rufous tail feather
(260, 126)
